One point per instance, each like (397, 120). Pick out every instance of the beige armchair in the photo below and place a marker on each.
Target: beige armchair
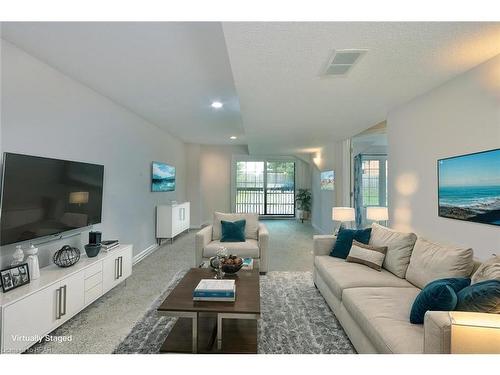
(207, 240)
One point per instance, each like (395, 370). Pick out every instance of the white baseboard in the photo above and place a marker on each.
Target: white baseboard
(144, 253)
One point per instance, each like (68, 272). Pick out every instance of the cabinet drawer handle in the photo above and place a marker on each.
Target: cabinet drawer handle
(116, 268)
(121, 266)
(58, 303)
(64, 289)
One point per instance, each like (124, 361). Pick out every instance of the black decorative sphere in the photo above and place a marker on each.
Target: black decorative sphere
(66, 256)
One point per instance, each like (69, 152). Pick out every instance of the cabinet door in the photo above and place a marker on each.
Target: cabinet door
(30, 318)
(110, 272)
(126, 263)
(164, 221)
(176, 220)
(187, 217)
(73, 295)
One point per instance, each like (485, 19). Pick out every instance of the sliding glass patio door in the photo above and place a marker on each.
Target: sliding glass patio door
(265, 187)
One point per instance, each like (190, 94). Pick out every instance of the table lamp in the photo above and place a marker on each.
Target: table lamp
(377, 214)
(474, 333)
(343, 215)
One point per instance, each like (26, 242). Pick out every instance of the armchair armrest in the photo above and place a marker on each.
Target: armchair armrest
(323, 244)
(201, 239)
(263, 237)
(437, 332)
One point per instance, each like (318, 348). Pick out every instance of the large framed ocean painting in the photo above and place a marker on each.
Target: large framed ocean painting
(162, 177)
(469, 187)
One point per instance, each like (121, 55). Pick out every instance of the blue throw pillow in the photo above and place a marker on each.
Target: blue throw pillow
(456, 283)
(480, 297)
(233, 232)
(344, 241)
(436, 296)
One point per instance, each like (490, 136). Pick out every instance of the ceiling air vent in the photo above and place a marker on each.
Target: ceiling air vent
(342, 60)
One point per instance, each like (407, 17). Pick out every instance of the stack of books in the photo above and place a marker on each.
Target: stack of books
(108, 245)
(247, 264)
(215, 290)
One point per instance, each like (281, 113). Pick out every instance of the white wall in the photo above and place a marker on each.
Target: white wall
(330, 158)
(47, 113)
(209, 180)
(462, 116)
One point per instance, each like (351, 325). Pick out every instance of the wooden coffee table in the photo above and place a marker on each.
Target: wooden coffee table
(213, 327)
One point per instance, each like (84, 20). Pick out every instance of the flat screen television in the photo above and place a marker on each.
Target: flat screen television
(469, 187)
(43, 196)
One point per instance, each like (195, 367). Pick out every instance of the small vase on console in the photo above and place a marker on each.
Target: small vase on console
(32, 260)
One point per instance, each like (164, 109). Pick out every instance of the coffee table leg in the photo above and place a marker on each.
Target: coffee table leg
(195, 333)
(219, 331)
(221, 316)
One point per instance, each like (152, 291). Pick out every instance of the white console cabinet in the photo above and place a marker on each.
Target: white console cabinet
(172, 220)
(32, 311)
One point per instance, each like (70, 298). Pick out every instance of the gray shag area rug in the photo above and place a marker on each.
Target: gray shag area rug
(295, 319)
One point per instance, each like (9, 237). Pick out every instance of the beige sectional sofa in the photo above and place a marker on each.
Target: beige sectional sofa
(374, 306)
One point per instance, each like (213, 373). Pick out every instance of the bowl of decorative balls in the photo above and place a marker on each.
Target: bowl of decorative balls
(232, 264)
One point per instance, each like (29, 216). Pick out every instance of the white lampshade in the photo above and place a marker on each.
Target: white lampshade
(79, 197)
(343, 214)
(474, 333)
(377, 213)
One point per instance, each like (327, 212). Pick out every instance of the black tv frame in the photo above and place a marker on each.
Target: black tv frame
(55, 235)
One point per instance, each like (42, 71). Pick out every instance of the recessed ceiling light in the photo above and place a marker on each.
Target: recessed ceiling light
(233, 137)
(217, 105)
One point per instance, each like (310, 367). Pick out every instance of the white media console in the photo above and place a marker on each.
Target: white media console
(36, 309)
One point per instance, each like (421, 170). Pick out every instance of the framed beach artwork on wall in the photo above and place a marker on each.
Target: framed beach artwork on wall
(162, 177)
(469, 187)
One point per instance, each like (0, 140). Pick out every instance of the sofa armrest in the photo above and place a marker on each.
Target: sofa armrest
(263, 248)
(201, 239)
(323, 244)
(437, 332)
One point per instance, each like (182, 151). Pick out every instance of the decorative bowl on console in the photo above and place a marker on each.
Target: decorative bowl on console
(92, 250)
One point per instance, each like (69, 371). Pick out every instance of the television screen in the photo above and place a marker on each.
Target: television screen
(162, 177)
(42, 196)
(327, 180)
(469, 187)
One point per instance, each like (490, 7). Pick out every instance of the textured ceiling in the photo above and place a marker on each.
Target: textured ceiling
(287, 106)
(267, 74)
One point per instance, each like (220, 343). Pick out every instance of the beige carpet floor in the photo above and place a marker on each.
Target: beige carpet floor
(105, 323)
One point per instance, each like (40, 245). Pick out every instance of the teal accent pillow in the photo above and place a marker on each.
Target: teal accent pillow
(480, 297)
(344, 241)
(233, 231)
(436, 296)
(456, 283)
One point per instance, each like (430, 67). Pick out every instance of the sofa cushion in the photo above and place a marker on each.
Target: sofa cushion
(399, 248)
(339, 275)
(382, 314)
(232, 231)
(251, 227)
(247, 249)
(489, 270)
(344, 240)
(431, 261)
(370, 256)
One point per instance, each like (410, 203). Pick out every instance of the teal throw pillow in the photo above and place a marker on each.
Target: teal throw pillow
(436, 296)
(344, 241)
(233, 231)
(480, 297)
